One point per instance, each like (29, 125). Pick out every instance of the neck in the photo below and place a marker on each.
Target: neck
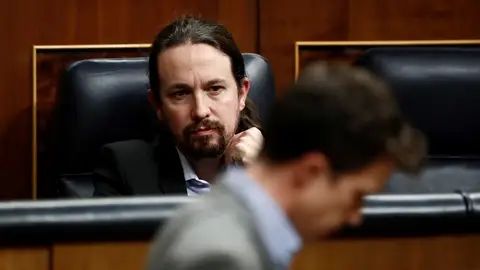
(278, 181)
(274, 181)
(207, 168)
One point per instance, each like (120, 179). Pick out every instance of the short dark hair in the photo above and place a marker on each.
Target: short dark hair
(189, 29)
(347, 114)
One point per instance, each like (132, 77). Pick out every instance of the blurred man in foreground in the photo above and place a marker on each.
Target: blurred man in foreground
(334, 137)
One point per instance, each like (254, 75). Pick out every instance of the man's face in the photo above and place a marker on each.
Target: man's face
(331, 202)
(200, 100)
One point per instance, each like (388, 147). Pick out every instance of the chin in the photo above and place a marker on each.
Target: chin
(209, 146)
(204, 145)
(208, 151)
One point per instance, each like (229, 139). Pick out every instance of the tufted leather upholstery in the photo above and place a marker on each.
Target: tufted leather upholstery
(104, 100)
(438, 89)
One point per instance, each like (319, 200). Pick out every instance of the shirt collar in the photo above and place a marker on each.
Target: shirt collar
(275, 229)
(188, 172)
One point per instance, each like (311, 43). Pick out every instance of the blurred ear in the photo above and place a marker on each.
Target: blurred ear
(155, 104)
(311, 167)
(243, 92)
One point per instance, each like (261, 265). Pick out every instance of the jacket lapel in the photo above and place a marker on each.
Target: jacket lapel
(170, 172)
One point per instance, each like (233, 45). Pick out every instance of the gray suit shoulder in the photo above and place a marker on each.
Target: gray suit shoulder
(206, 236)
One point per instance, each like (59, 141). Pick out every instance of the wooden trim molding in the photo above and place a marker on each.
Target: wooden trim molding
(299, 45)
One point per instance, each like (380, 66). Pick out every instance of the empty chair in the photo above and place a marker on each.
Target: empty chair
(438, 89)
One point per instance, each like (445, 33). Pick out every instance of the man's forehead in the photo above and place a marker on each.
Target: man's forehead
(192, 54)
(187, 61)
(191, 79)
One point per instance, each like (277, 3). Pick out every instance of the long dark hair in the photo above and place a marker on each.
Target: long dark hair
(188, 29)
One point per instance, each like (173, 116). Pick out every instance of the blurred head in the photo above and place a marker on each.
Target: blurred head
(198, 85)
(340, 133)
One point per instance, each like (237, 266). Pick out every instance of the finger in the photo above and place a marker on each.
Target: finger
(244, 146)
(253, 139)
(246, 151)
(254, 132)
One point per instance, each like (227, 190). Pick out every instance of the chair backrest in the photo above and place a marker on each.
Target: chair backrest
(105, 100)
(438, 90)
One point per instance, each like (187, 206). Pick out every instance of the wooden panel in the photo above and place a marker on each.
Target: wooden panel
(444, 252)
(347, 52)
(284, 22)
(100, 256)
(24, 258)
(440, 253)
(24, 23)
(413, 19)
(231, 14)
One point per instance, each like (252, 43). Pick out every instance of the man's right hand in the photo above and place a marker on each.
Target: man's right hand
(244, 147)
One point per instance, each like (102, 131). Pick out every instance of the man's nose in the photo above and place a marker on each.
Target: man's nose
(201, 106)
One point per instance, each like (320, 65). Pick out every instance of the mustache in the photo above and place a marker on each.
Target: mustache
(204, 124)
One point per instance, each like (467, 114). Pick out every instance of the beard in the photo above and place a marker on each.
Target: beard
(211, 145)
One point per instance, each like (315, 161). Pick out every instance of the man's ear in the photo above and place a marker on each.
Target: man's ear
(155, 104)
(310, 167)
(243, 92)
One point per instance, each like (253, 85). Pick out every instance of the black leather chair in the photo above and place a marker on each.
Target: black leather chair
(104, 100)
(438, 89)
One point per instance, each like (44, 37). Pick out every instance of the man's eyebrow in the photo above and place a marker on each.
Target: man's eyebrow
(176, 86)
(214, 81)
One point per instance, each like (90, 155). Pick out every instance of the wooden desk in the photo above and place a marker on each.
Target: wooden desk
(439, 252)
(25, 258)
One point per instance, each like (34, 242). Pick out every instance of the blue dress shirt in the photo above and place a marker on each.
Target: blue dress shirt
(275, 229)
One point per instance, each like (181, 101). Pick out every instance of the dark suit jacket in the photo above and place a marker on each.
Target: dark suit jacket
(137, 167)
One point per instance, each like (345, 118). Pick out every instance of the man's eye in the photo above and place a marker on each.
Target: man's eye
(179, 94)
(216, 89)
